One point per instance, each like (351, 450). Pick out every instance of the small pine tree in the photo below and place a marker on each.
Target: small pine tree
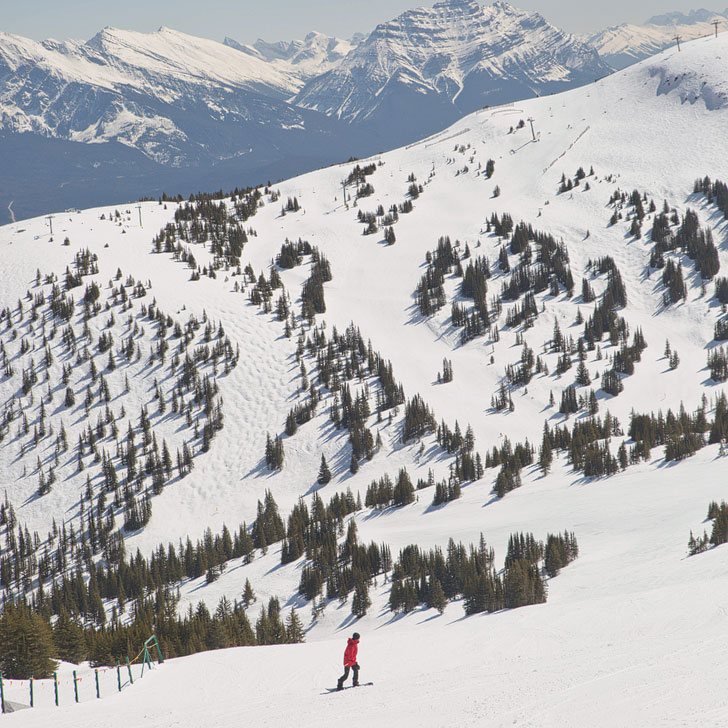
(324, 475)
(248, 594)
(294, 628)
(361, 602)
(436, 596)
(546, 456)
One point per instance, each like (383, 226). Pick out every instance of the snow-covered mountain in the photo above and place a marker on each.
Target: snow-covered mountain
(615, 280)
(429, 66)
(312, 56)
(622, 45)
(146, 113)
(142, 113)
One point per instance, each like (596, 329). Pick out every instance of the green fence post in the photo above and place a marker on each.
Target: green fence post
(128, 665)
(31, 691)
(75, 686)
(98, 693)
(118, 675)
(2, 695)
(159, 651)
(55, 686)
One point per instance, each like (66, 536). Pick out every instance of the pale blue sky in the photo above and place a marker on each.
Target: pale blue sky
(246, 20)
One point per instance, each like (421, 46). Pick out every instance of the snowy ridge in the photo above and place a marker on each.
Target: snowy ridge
(147, 113)
(625, 625)
(166, 66)
(450, 59)
(312, 56)
(622, 45)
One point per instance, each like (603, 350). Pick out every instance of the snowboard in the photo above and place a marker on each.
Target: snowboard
(348, 687)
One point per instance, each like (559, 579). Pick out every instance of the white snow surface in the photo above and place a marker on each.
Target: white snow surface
(633, 630)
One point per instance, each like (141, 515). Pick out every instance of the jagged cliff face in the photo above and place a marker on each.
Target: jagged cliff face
(431, 65)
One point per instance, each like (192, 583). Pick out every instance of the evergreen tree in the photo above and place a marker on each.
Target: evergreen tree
(436, 596)
(294, 628)
(361, 601)
(69, 639)
(26, 645)
(546, 456)
(324, 474)
(248, 594)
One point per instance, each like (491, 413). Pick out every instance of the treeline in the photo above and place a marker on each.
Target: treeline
(30, 646)
(115, 607)
(434, 578)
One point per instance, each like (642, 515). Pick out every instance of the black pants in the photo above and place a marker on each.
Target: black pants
(355, 681)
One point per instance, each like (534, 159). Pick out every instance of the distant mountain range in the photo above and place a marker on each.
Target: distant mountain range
(130, 114)
(429, 66)
(622, 45)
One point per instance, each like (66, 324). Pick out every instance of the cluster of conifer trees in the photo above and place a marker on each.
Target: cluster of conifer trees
(716, 192)
(381, 219)
(103, 613)
(718, 514)
(549, 269)
(113, 455)
(567, 184)
(204, 221)
(433, 578)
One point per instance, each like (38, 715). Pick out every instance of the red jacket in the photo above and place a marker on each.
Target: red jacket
(350, 652)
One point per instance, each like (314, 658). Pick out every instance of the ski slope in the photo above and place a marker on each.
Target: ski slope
(632, 632)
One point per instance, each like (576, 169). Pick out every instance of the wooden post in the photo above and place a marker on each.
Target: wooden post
(128, 665)
(2, 695)
(55, 686)
(677, 38)
(98, 692)
(75, 685)
(31, 691)
(716, 23)
(118, 675)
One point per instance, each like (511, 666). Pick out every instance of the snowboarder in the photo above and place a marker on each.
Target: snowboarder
(352, 646)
